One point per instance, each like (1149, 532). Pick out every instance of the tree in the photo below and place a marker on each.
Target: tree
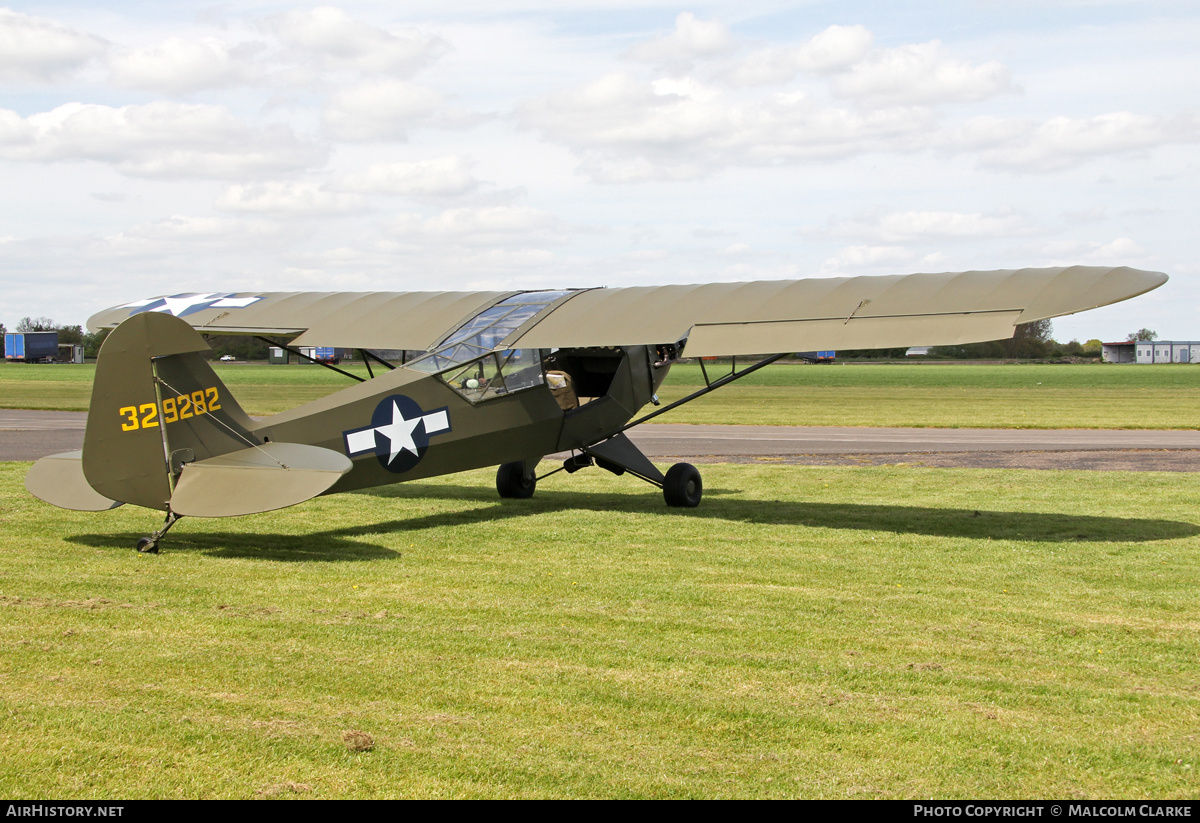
(1143, 334)
(70, 334)
(92, 341)
(29, 324)
(1030, 340)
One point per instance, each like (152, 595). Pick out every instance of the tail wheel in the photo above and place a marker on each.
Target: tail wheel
(512, 481)
(682, 487)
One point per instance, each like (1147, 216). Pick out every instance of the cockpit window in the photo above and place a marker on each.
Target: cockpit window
(485, 331)
(497, 374)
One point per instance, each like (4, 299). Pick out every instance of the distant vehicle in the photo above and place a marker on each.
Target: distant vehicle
(818, 356)
(32, 346)
(323, 354)
(227, 358)
(505, 378)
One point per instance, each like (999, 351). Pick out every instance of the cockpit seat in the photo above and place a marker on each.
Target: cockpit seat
(563, 389)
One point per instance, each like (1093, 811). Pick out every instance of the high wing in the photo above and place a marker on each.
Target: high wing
(713, 319)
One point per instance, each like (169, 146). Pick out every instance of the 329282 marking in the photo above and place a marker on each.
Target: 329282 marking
(145, 416)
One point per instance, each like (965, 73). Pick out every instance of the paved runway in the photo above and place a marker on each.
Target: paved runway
(28, 435)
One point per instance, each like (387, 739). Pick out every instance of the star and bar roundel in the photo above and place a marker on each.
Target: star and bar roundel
(185, 304)
(399, 433)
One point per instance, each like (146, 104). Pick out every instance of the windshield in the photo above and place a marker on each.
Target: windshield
(483, 332)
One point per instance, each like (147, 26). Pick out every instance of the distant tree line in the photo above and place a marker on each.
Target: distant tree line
(1032, 341)
(73, 335)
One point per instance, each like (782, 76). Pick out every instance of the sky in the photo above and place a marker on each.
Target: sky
(150, 148)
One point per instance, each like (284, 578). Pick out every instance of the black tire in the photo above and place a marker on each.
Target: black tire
(682, 487)
(147, 545)
(513, 483)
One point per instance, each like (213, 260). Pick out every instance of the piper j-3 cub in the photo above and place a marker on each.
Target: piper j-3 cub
(501, 378)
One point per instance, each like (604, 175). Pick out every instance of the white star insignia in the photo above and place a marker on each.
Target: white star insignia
(178, 305)
(181, 304)
(399, 433)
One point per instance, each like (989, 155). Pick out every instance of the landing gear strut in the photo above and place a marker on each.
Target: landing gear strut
(149, 544)
(681, 485)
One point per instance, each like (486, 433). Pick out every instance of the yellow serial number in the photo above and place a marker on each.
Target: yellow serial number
(145, 416)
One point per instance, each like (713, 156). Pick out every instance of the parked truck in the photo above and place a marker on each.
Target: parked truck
(323, 354)
(818, 356)
(31, 346)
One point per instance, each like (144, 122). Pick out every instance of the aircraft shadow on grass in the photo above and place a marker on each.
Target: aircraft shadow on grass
(980, 524)
(347, 544)
(317, 546)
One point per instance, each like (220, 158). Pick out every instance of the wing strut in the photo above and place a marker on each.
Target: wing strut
(298, 353)
(368, 356)
(710, 385)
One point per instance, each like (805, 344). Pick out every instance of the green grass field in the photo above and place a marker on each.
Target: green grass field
(807, 632)
(943, 395)
(836, 632)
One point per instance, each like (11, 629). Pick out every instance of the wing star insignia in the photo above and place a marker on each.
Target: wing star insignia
(183, 304)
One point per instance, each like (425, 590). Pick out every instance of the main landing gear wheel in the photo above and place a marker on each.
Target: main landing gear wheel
(682, 487)
(512, 481)
(147, 545)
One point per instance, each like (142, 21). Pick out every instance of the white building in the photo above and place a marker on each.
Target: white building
(1156, 351)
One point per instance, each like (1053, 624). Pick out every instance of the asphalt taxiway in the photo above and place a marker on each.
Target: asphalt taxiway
(28, 435)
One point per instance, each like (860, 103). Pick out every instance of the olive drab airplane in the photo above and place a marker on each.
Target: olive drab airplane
(489, 378)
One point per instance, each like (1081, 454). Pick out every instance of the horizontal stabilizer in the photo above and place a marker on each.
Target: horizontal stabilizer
(258, 479)
(59, 481)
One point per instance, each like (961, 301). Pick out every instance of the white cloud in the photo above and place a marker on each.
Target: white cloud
(160, 139)
(379, 110)
(921, 74)
(834, 49)
(1064, 142)
(634, 130)
(1120, 251)
(440, 177)
(691, 40)
(210, 233)
(297, 199)
(944, 225)
(181, 66)
(489, 226)
(341, 43)
(867, 257)
(34, 48)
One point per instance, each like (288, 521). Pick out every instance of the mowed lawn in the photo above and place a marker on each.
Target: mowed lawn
(807, 632)
(927, 394)
(892, 631)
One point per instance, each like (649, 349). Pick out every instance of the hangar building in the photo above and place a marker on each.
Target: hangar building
(1156, 351)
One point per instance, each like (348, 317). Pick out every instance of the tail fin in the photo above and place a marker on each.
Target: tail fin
(156, 405)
